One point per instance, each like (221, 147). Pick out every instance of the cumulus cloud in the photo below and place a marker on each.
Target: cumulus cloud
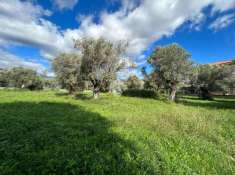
(64, 4)
(222, 22)
(22, 23)
(140, 22)
(149, 21)
(222, 5)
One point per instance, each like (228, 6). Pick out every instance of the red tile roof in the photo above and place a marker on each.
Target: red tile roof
(221, 63)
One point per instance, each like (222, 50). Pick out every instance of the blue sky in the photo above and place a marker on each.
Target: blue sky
(34, 32)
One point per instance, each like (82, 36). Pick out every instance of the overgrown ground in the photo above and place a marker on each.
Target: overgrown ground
(51, 133)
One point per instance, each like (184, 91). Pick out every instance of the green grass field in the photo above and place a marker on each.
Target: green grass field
(52, 133)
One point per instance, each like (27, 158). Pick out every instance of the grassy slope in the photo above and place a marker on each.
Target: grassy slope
(50, 133)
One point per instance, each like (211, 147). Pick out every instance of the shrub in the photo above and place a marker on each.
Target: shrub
(133, 82)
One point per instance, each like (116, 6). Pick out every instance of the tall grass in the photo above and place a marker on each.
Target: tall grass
(53, 133)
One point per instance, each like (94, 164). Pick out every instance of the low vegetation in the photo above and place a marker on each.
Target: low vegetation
(50, 132)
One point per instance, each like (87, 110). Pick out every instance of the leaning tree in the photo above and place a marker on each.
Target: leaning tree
(172, 65)
(67, 70)
(101, 60)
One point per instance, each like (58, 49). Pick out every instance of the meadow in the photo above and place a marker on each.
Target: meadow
(50, 132)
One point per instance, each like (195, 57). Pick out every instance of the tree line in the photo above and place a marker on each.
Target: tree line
(21, 78)
(173, 70)
(98, 61)
(25, 78)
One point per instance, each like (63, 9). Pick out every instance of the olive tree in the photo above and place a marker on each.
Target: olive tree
(20, 77)
(101, 60)
(211, 78)
(172, 65)
(152, 80)
(67, 70)
(4, 79)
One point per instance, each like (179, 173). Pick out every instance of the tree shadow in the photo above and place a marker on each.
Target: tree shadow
(217, 103)
(82, 96)
(190, 97)
(140, 93)
(61, 94)
(60, 138)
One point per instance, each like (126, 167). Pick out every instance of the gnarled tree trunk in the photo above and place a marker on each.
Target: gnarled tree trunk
(96, 92)
(72, 89)
(173, 91)
(205, 94)
(96, 89)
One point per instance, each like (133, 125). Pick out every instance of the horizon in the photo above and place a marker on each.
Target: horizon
(33, 32)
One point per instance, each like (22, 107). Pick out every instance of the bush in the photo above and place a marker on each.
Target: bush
(36, 84)
(140, 93)
(133, 82)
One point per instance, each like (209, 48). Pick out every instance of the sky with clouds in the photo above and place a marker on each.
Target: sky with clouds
(34, 32)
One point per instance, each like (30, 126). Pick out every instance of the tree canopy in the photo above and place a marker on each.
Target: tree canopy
(212, 78)
(133, 82)
(67, 69)
(21, 78)
(172, 64)
(101, 60)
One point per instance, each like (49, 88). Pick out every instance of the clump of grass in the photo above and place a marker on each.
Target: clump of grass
(52, 133)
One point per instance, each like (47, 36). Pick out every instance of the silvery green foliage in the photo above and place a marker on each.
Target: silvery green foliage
(101, 61)
(216, 77)
(19, 77)
(118, 86)
(4, 79)
(172, 65)
(133, 82)
(67, 70)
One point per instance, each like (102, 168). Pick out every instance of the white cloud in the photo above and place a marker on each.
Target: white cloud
(22, 23)
(149, 21)
(8, 60)
(140, 22)
(64, 4)
(222, 22)
(223, 5)
(22, 11)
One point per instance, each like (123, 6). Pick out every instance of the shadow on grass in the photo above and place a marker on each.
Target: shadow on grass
(82, 96)
(61, 94)
(59, 138)
(140, 93)
(217, 103)
(190, 97)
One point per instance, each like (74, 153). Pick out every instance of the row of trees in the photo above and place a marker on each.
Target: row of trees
(96, 64)
(100, 60)
(173, 69)
(21, 78)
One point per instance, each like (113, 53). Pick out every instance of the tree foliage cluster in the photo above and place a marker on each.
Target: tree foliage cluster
(214, 78)
(19, 77)
(174, 69)
(67, 69)
(134, 83)
(171, 69)
(98, 63)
